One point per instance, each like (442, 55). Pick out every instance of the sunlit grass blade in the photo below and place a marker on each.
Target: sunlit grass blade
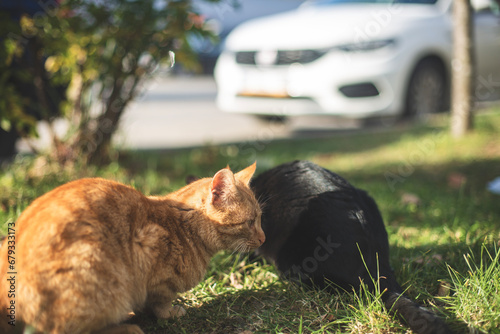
(476, 298)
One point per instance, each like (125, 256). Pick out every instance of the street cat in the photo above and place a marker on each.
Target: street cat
(90, 251)
(323, 232)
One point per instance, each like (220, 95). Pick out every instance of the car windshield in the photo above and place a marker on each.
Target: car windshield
(333, 2)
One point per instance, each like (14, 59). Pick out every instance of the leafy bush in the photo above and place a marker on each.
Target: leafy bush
(88, 60)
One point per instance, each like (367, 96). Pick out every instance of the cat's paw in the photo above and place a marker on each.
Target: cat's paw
(132, 329)
(170, 312)
(121, 329)
(177, 311)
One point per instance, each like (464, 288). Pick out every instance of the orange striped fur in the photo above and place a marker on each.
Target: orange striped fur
(92, 250)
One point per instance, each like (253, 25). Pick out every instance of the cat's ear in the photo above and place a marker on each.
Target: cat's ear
(222, 187)
(246, 174)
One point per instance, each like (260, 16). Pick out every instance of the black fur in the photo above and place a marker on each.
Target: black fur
(317, 225)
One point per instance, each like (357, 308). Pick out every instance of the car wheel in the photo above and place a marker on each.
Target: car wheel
(427, 90)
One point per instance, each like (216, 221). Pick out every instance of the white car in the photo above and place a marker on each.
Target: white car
(353, 58)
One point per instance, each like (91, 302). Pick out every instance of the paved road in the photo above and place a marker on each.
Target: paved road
(181, 112)
(177, 111)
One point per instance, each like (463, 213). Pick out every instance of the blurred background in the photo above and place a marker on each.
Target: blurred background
(80, 75)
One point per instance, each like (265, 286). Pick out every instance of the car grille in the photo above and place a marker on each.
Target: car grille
(283, 57)
(245, 57)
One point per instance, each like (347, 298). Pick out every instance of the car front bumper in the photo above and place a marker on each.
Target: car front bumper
(341, 84)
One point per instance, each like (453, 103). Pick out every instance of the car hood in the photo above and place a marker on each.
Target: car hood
(326, 26)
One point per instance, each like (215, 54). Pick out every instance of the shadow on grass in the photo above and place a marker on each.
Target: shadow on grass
(424, 274)
(232, 312)
(451, 195)
(299, 146)
(257, 311)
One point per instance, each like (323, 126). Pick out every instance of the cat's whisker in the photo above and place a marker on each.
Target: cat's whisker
(236, 246)
(241, 246)
(263, 199)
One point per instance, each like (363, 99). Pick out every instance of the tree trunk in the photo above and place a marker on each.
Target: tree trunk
(462, 69)
(107, 126)
(108, 122)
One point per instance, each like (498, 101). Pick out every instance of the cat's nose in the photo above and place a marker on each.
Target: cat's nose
(262, 237)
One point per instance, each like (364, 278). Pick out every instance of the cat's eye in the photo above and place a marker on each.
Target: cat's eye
(250, 222)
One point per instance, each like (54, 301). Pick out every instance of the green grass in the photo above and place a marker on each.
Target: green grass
(477, 292)
(443, 225)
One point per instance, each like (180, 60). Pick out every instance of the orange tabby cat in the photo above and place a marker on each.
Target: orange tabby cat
(92, 250)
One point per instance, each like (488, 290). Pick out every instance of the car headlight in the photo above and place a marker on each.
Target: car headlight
(366, 46)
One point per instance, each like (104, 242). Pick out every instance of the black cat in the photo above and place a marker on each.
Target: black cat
(323, 232)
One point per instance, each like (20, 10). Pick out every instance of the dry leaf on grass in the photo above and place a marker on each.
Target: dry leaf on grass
(434, 259)
(410, 199)
(456, 180)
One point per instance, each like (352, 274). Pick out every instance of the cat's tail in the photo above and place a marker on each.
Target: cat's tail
(419, 319)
